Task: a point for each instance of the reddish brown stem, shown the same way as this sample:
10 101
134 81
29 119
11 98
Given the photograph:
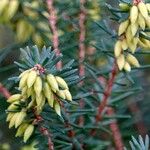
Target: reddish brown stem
71 133
106 96
82 19
4 91
110 111
115 130
46 133
52 22
43 130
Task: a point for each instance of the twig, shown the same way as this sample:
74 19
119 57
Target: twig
4 91
82 19
52 22
115 130
71 133
106 96
43 130
103 106
46 133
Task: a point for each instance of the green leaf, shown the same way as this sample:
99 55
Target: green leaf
120 97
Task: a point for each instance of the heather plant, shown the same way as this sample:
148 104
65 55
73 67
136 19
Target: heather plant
73 74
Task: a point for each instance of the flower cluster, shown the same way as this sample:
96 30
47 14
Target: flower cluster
37 88
10 8
132 34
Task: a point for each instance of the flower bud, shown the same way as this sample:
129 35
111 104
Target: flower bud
24 91
141 21
142 44
134 28
133 44
118 48
122 27
124 6
3 5
148 6
68 95
143 9
28 132
148 22
14 98
21 27
52 82
132 60
57 108
23 80
147 42
13 106
39 99
12 9
51 100
21 129
129 36
38 86
39 108
24 73
29 91
133 14
12 120
61 82
9 116
121 62
61 94
31 78
20 117
47 90
124 44
127 67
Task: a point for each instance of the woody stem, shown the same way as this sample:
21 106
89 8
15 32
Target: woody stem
4 91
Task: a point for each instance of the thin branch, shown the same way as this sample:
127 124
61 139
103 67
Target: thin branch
43 130
71 133
46 133
53 22
115 130
103 106
82 19
106 95
4 91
